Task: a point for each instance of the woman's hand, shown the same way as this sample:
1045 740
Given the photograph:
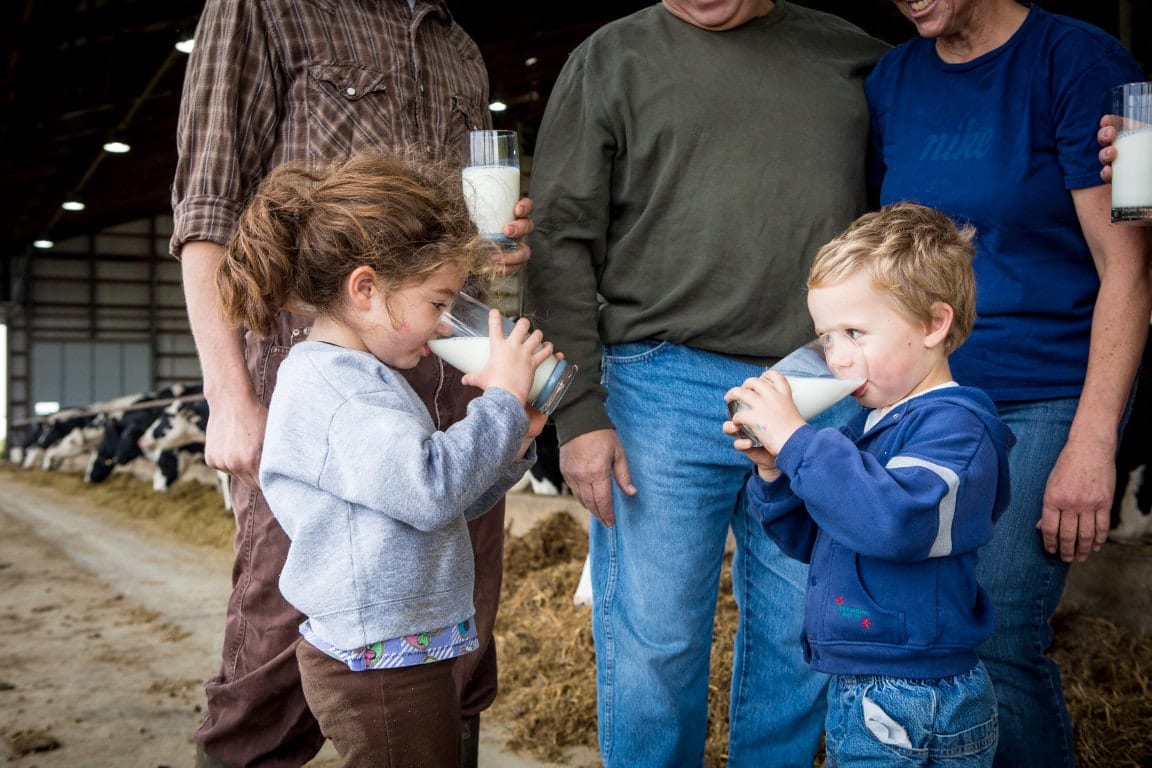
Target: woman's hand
1106 136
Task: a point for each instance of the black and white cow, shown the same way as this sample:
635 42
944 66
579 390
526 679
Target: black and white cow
185 462
51 431
181 423
70 453
175 441
119 445
122 428
544 478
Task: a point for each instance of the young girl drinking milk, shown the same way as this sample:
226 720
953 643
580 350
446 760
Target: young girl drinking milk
374 499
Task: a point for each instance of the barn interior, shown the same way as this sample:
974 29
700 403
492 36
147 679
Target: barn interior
91 303
84 271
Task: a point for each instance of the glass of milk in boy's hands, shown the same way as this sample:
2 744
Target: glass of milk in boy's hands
816 387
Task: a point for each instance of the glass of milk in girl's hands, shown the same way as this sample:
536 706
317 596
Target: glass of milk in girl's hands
491 182
464 345
816 385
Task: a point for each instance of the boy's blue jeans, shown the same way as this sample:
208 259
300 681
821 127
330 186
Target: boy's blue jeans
883 721
656 573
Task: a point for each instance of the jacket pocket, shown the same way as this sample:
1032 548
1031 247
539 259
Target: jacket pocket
849 613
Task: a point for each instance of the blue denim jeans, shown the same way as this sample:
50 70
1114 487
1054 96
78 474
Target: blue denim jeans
885 721
1026 584
656 573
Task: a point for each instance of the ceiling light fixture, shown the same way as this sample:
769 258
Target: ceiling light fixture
497 106
173 58
531 61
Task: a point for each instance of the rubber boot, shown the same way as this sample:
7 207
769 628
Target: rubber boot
470 742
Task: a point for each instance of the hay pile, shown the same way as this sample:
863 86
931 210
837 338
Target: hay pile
548 687
547 674
547 681
1107 675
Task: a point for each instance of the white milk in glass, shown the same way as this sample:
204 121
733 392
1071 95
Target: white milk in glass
814 395
491 192
470 353
1132 171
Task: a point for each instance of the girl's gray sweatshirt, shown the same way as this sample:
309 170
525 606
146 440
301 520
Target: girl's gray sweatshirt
374 499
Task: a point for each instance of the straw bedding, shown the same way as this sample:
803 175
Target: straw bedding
547 694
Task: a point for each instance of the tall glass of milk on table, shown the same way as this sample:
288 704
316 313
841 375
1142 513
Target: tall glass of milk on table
816 386
1132 169
464 345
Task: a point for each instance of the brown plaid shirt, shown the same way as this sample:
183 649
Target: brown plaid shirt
276 80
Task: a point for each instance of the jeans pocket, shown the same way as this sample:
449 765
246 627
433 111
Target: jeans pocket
633 351
877 720
883 726
969 743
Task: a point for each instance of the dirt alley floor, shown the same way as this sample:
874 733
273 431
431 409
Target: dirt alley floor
109 627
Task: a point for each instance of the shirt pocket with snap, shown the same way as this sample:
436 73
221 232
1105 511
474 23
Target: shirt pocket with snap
350 110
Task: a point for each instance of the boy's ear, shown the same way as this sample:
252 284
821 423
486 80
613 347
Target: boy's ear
937 328
361 286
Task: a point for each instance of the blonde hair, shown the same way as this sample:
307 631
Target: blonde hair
306 229
916 254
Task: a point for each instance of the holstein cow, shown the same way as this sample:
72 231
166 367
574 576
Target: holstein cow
186 462
175 441
16 454
181 423
544 478
50 431
70 453
119 446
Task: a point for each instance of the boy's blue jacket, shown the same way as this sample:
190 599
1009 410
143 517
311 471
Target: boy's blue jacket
891 522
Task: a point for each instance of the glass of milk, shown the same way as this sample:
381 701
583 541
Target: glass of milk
1132 168
816 386
464 345
492 182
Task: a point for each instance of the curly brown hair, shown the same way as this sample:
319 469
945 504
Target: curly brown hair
306 229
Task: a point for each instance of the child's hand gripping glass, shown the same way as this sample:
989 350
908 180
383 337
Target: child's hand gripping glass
472 332
802 385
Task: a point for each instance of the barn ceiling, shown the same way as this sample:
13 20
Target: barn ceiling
75 74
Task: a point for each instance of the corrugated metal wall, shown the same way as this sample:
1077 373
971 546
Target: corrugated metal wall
98 317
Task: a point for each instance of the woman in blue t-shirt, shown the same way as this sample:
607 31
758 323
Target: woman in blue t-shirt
990 115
